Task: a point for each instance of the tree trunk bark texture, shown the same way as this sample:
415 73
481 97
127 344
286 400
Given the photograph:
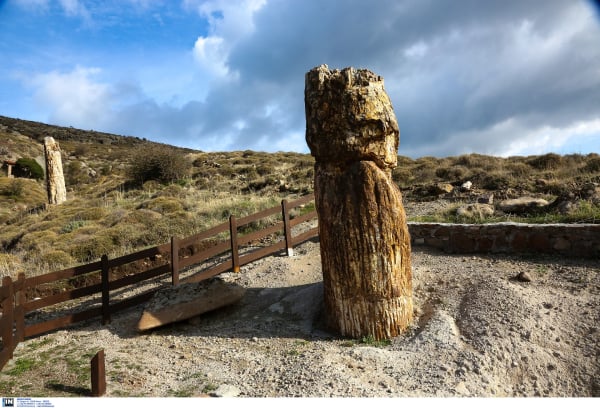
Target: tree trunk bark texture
55 180
365 245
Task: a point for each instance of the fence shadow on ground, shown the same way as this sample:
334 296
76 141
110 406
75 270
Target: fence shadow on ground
32 306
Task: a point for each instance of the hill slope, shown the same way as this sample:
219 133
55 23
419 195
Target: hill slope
112 210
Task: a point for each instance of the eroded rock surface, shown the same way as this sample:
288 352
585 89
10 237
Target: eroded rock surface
55 179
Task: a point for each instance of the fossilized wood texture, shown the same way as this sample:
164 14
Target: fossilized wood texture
349 117
365 251
177 303
365 244
55 180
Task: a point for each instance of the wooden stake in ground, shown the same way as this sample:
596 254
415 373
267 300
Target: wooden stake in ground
352 132
55 180
98 374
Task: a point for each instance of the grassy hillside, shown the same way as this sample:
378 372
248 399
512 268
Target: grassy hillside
118 202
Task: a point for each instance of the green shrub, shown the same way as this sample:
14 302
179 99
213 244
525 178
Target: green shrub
248 171
159 163
57 259
92 213
106 169
37 240
403 161
75 173
592 165
141 216
15 188
151 186
88 249
265 169
172 190
163 205
518 169
550 161
471 160
401 176
29 168
556 188
495 181
114 217
72 226
452 173
123 236
80 150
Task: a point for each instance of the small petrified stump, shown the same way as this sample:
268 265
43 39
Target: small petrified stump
352 132
181 302
55 180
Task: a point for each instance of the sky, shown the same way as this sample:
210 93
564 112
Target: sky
502 78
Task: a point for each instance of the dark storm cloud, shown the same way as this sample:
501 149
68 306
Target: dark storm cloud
451 68
463 76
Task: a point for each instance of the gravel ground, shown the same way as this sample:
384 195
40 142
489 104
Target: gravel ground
477 332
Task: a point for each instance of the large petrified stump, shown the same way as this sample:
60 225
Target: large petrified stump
55 180
352 132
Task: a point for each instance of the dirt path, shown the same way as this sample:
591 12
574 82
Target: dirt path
478 332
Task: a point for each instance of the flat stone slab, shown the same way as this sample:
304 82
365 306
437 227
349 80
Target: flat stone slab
184 301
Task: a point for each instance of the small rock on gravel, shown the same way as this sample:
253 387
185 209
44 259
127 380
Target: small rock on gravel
225 391
523 277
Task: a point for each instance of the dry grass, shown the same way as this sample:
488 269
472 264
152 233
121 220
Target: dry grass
107 212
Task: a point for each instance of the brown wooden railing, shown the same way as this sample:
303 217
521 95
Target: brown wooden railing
40 304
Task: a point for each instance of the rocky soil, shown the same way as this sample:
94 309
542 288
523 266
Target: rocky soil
478 332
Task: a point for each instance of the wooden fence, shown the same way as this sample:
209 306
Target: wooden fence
102 288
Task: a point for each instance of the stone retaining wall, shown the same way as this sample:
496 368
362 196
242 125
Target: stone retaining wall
577 240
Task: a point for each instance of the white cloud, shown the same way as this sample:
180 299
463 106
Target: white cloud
552 139
145 4
211 53
72 7
416 50
74 97
229 21
515 137
504 78
32 3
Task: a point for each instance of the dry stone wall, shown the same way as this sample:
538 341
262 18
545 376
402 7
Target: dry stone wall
576 240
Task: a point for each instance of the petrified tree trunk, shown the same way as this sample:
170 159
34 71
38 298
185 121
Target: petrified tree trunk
55 180
352 132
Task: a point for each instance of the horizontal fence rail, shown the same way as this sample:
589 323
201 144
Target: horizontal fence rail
40 304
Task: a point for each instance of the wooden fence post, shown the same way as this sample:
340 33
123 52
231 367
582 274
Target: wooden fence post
235 256
287 229
8 316
105 291
175 261
19 308
98 374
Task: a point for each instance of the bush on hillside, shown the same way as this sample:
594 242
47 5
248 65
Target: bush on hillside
15 188
28 168
75 173
452 173
159 163
549 161
592 165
